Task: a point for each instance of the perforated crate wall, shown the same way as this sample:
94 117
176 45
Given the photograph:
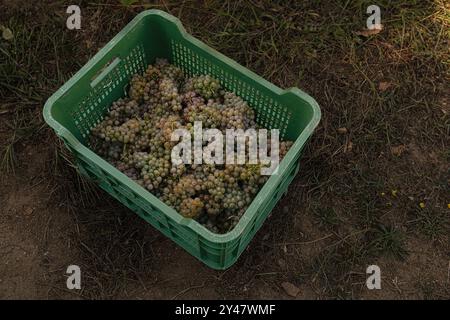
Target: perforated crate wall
91 110
269 112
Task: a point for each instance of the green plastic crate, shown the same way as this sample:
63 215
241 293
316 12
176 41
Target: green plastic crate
82 102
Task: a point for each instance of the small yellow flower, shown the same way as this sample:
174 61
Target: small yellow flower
422 205
394 193
448 205
383 194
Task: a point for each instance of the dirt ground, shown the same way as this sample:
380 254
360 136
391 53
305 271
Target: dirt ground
374 182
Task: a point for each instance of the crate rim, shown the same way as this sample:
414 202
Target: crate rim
195 226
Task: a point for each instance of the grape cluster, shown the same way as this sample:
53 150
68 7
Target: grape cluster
205 86
191 208
236 113
170 98
210 115
152 169
169 70
135 136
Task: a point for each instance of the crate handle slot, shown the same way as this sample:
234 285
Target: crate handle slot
107 68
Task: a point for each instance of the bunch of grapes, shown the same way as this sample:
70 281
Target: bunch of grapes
169 70
205 86
108 150
135 136
137 88
152 169
209 115
235 199
170 99
165 128
125 133
191 208
236 113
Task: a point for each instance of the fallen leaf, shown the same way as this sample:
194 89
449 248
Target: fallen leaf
384 85
348 147
28 211
342 130
387 45
88 44
445 106
282 263
6 33
370 32
398 150
290 289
